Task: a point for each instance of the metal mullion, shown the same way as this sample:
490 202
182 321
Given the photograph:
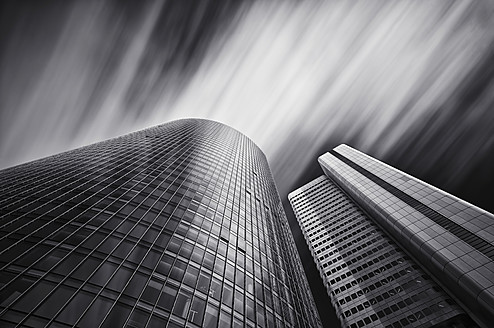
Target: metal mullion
38 191
67 191
137 222
55 246
61 260
68 223
195 243
140 295
51 170
29 222
12 176
24 192
62 164
101 164
48 162
51 201
43 166
152 244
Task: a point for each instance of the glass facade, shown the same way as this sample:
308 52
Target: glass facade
445 238
177 225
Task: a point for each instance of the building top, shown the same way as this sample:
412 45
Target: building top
471 217
450 238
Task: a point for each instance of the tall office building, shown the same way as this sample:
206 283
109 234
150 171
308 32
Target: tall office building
394 251
177 225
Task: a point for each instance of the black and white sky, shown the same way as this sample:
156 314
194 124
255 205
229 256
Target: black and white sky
408 82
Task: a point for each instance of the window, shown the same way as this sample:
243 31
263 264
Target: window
239 302
191 275
215 289
76 306
103 273
182 304
239 278
136 285
152 291
178 270
96 312
55 302
211 317
167 298
227 295
34 296
203 282
225 320
196 311
249 308
138 318
69 264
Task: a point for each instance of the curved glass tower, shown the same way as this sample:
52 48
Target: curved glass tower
177 225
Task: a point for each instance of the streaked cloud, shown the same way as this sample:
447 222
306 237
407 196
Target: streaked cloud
296 77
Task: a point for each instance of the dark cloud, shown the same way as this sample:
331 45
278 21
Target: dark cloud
453 148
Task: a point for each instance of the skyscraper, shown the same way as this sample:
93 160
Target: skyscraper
179 224
393 250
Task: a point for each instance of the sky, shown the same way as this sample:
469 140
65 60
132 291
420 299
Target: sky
408 82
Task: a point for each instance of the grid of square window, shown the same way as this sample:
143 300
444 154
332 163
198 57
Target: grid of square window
467 215
458 255
177 225
370 281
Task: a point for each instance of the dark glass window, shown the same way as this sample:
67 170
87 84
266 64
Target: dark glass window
96 312
227 295
197 255
182 304
35 254
138 318
135 285
151 259
196 312
239 302
191 275
33 296
225 320
117 316
120 278
55 302
167 297
178 270
152 291
50 260
211 317
103 273
203 282
70 314
165 265
249 308
215 289
137 254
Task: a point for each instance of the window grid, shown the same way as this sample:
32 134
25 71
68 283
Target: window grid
366 274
